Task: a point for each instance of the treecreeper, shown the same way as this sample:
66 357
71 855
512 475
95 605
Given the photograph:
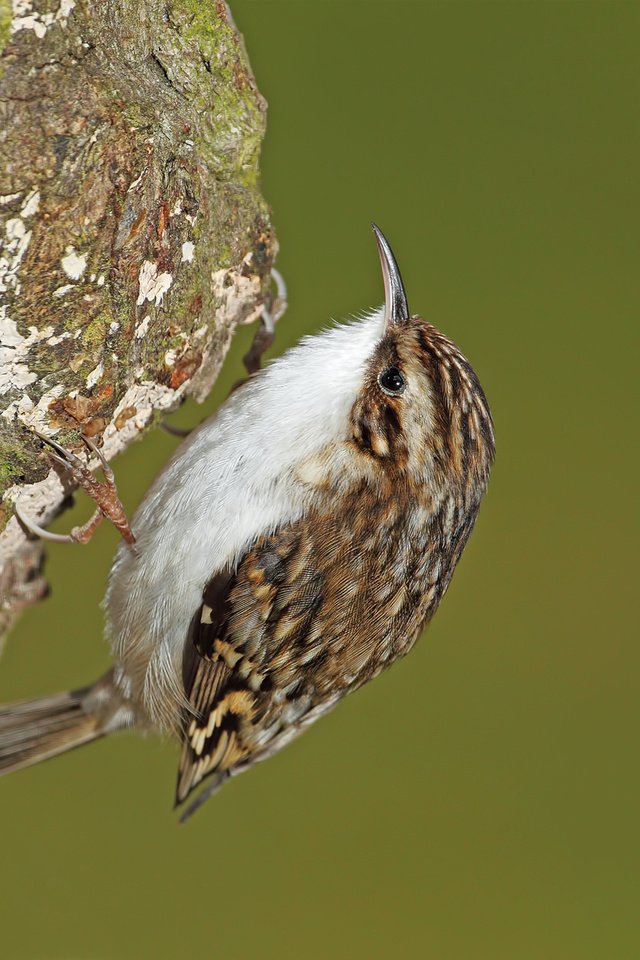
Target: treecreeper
293 547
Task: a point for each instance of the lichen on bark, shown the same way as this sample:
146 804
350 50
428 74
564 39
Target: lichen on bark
132 230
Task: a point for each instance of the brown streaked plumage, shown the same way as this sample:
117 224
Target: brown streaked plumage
294 547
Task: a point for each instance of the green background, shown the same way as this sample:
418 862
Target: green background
480 800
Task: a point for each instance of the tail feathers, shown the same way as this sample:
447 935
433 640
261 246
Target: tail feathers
35 730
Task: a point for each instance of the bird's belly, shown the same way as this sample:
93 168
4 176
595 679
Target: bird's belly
149 604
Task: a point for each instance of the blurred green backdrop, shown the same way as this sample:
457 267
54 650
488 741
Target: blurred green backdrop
480 800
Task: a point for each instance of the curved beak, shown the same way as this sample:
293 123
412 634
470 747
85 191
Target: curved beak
396 309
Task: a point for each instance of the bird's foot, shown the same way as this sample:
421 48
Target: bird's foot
104 495
265 334
263 339
174 431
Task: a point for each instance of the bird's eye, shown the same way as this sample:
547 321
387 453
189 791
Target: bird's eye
392 381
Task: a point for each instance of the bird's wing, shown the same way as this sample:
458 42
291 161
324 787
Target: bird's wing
248 644
313 610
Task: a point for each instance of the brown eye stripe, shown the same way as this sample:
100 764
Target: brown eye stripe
365 436
392 422
379 438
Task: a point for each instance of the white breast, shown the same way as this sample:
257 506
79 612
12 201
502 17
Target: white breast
232 480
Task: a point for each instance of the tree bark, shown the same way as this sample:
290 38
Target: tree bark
133 234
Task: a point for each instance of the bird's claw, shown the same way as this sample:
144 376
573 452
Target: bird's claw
104 495
263 339
265 334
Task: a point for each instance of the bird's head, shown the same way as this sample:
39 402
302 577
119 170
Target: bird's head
384 398
420 411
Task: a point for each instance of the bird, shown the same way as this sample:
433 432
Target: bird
294 547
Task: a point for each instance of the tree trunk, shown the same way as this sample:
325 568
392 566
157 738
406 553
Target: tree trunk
133 237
